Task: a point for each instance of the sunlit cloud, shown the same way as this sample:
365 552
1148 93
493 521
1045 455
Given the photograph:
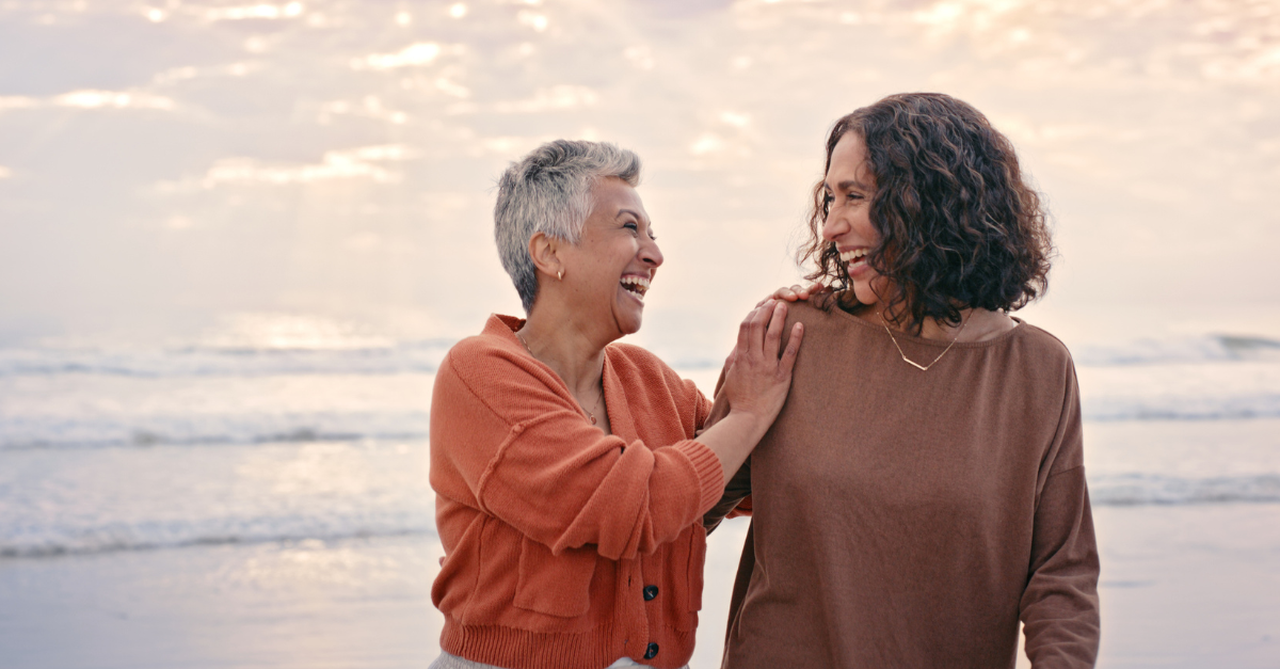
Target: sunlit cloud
640 56
735 119
176 74
1025 132
359 163
538 22
178 222
92 99
508 145
707 143
414 55
5 172
370 107
457 10
259 11
17 102
452 88
95 99
554 98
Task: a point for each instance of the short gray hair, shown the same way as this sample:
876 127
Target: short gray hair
549 191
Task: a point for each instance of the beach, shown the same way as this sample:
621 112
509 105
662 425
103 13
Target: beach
1182 586
273 510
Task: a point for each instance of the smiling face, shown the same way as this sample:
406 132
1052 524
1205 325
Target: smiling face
608 271
849 186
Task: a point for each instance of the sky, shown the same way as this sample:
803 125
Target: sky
166 166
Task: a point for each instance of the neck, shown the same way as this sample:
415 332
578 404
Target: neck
979 325
567 348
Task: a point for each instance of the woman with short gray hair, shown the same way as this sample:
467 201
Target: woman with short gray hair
572 472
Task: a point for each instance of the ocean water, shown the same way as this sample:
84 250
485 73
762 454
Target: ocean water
123 449
118 451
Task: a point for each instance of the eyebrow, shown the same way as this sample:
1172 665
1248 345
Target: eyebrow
852 183
629 211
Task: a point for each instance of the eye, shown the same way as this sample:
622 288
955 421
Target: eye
631 225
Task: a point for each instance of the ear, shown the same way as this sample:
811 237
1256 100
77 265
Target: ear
545 252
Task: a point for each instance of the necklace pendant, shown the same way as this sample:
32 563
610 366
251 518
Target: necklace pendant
593 418
917 365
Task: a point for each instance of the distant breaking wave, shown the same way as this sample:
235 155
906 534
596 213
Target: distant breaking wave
408 357
54 541
1182 407
105 431
70 431
36 541
1143 489
1204 348
424 356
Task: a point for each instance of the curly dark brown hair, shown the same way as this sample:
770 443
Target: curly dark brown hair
959 228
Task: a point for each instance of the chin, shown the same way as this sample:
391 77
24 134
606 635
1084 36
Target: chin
864 295
629 324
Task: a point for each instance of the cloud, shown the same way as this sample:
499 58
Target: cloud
176 74
370 107
359 163
95 99
554 98
92 99
414 55
538 22
259 11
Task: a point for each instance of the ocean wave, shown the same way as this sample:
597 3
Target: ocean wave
1203 407
57 541
424 356
1201 348
19 433
1146 489
407 357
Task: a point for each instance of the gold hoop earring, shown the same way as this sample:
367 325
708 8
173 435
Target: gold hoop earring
560 275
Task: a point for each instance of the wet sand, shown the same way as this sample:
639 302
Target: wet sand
1182 586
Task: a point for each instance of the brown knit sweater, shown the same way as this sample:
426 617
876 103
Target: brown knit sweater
566 548
910 519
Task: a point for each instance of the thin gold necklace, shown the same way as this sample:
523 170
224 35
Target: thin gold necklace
590 414
909 361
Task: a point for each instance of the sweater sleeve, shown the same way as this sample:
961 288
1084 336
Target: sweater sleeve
735 499
507 438
1059 607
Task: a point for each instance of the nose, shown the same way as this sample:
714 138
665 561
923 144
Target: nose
650 254
834 226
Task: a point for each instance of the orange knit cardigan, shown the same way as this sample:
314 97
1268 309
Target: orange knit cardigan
566 547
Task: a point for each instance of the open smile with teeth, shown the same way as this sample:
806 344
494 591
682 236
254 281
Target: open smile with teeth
854 257
636 285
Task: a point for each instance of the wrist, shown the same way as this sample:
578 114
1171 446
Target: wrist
748 419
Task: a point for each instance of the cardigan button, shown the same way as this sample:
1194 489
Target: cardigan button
651 652
650 592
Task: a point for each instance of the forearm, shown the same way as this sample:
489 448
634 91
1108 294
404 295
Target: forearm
737 489
733 438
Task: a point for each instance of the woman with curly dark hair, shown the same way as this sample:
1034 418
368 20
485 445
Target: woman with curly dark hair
922 490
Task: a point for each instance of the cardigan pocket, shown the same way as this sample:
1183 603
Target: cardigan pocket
557 585
697 562
687 558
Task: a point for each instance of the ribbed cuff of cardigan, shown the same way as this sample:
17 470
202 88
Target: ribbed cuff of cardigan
710 472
